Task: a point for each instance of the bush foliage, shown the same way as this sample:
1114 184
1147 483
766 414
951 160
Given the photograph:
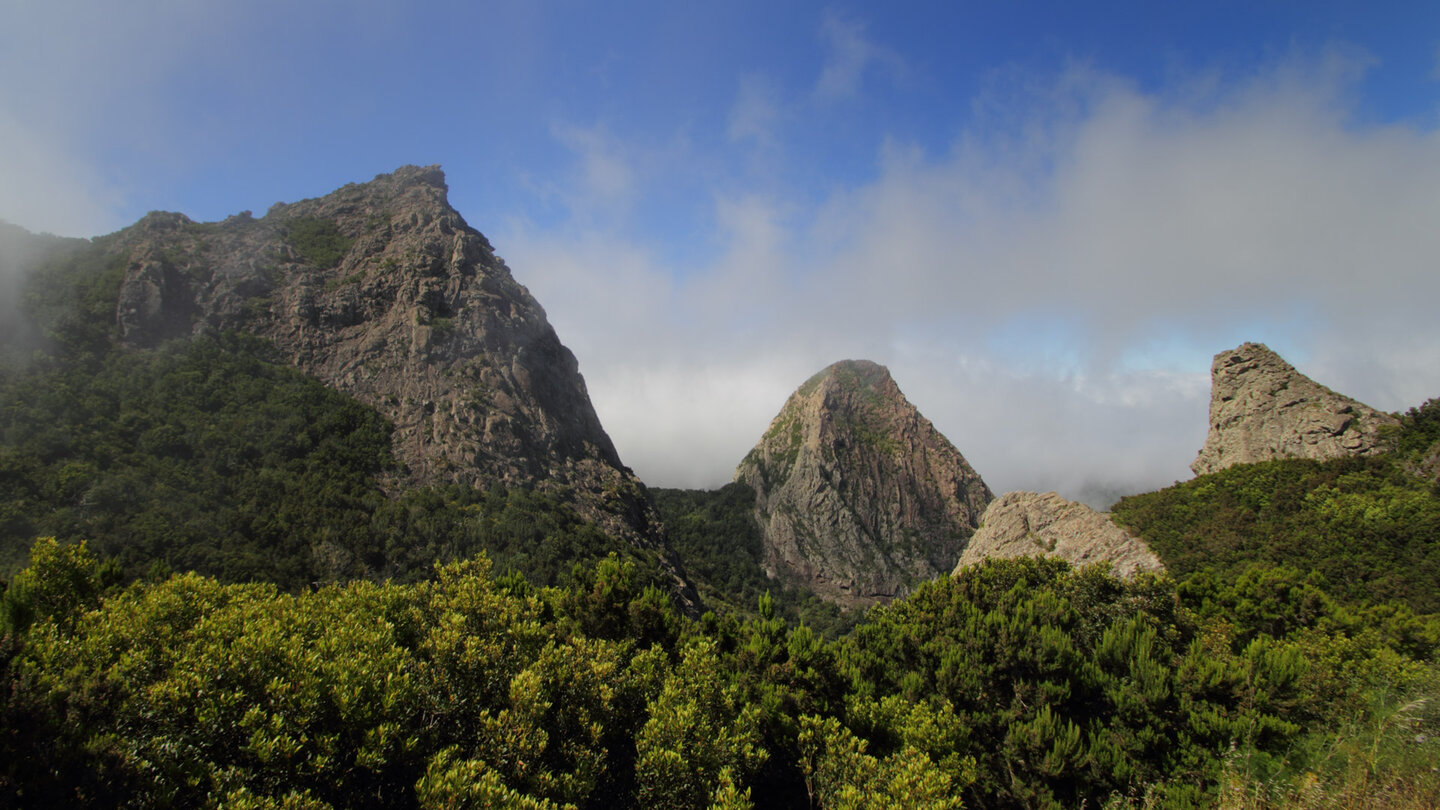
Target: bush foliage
1017 684
1369 528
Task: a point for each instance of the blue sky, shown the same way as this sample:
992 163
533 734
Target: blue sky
1044 217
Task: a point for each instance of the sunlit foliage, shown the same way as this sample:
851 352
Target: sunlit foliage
1018 684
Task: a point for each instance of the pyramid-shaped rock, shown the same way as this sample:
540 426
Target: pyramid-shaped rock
858 495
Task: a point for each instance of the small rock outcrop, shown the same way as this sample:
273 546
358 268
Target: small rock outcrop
1028 524
382 290
1261 408
859 497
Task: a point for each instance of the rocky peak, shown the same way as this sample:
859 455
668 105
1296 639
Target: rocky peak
1028 524
857 494
1261 408
383 291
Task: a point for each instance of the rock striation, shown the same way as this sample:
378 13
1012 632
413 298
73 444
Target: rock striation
1261 408
382 290
1028 524
858 496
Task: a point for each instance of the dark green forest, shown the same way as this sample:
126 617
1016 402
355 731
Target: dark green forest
715 533
217 593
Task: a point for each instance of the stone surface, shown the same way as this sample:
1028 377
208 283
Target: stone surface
1261 408
383 291
1028 524
858 496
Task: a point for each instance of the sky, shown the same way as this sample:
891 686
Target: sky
1044 218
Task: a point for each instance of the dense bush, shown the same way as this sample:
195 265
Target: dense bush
200 456
1367 526
1018 684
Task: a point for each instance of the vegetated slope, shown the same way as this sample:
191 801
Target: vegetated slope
1370 526
201 455
197 457
858 496
715 533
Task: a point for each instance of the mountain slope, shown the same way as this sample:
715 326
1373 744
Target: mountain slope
858 496
1370 526
381 291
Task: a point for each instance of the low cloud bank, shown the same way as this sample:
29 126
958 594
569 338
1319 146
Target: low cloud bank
1049 291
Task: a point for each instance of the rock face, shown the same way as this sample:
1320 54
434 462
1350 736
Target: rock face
382 291
1027 524
858 496
1261 408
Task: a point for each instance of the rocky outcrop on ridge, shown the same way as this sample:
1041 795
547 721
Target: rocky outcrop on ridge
858 496
383 291
1028 524
1261 408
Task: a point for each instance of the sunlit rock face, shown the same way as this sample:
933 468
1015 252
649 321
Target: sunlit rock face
1261 408
1029 524
858 495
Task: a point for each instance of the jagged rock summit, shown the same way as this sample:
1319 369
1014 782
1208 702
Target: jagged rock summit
859 497
1261 408
1028 524
382 290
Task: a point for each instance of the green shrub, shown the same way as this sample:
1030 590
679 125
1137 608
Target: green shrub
319 242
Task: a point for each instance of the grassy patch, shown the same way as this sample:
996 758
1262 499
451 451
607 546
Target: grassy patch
318 241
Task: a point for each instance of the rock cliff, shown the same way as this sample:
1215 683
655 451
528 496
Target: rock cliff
1025 524
1261 408
382 291
857 494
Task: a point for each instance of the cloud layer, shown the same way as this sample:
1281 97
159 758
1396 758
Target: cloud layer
1048 290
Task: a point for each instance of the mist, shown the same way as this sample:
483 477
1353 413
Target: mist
21 252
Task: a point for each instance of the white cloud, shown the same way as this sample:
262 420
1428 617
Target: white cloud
605 178
1050 290
850 55
755 113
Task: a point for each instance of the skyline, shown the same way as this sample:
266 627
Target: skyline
1043 219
